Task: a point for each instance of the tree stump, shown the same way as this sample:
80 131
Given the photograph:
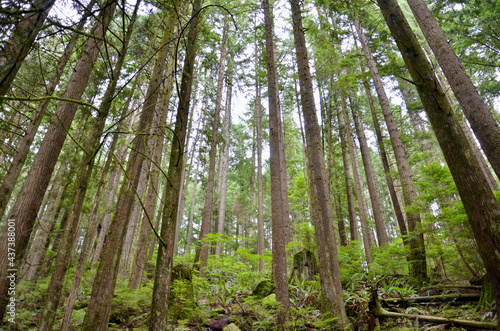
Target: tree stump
181 301
487 298
305 266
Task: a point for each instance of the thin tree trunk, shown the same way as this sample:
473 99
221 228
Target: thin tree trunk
483 124
353 228
280 215
482 209
163 273
134 222
333 179
260 189
320 196
418 264
193 202
206 222
380 141
357 183
378 216
416 121
224 167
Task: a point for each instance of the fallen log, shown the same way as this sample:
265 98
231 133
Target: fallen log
376 310
446 286
435 298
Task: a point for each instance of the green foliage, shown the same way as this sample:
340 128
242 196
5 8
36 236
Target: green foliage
351 260
390 260
304 233
127 304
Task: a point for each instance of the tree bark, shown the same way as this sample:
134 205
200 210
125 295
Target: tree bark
321 205
163 273
482 209
193 202
47 222
89 238
357 181
224 164
260 193
483 124
398 212
152 194
378 216
280 215
206 222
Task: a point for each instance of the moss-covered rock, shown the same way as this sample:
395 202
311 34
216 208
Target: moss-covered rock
270 301
231 327
264 288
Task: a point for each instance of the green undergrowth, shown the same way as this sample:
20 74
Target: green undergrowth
233 292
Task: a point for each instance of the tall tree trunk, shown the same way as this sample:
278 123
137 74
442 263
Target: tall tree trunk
206 222
193 202
184 176
418 264
152 194
31 195
47 222
483 124
333 178
97 315
380 140
224 167
163 273
23 148
320 196
134 222
482 209
280 215
260 189
378 216
17 47
109 196
357 182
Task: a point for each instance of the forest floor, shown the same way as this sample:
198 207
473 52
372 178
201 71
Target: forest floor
239 299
